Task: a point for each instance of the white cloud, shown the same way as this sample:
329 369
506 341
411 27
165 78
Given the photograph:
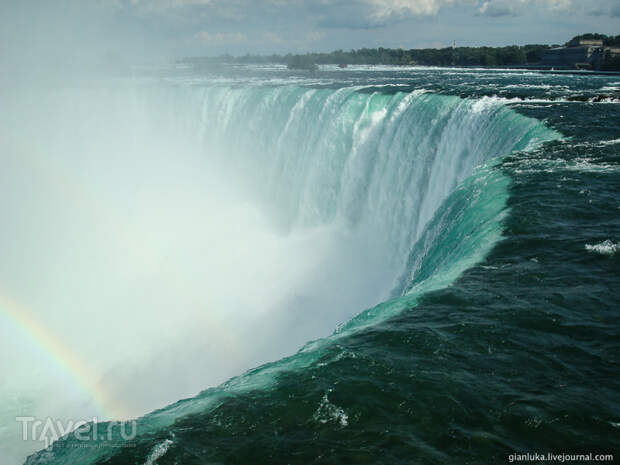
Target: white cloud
278 24
314 36
496 8
271 37
499 8
221 37
557 5
387 8
362 13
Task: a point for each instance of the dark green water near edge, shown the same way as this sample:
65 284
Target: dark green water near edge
520 354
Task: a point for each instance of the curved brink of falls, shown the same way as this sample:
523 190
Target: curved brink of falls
415 171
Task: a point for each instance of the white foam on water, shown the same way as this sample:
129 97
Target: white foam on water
609 142
158 452
330 413
606 247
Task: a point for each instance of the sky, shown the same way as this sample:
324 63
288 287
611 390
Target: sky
178 28
265 26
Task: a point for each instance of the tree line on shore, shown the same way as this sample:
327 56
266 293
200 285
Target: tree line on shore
513 55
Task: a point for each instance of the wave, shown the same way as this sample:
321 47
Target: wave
606 247
418 173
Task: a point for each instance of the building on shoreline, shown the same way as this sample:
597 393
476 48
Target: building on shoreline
580 54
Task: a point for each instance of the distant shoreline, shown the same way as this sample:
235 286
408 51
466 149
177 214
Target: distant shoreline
545 70
594 52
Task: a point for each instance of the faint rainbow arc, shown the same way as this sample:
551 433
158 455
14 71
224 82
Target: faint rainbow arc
62 356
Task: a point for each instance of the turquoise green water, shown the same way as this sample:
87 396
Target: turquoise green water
496 209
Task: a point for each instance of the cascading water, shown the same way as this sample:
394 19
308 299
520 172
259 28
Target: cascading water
369 159
401 186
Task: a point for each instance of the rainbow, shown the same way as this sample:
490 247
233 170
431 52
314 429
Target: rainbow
62 356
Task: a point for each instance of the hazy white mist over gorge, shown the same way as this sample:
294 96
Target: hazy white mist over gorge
141 253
